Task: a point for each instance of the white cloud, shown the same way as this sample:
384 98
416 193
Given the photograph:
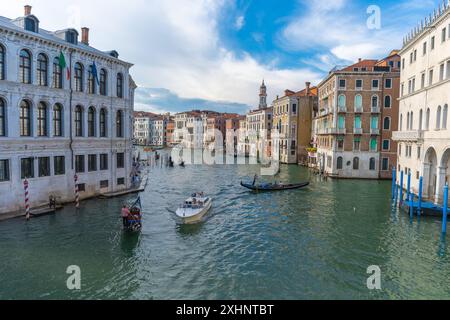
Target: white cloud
240 22
174 44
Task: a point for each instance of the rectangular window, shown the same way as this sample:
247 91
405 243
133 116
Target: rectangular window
79 164
373 145
418 152
403 64
342 84
27 168
375 84
60 165
340 144
388 83
424 51
386 145
432 43
430 77
444 34
341 122
415 55
104 184
4 170
44 167
359 84
92 162
120 160
441 72
104 162
385 164
294 108
356 144
447 76
121 181
81 187
422 81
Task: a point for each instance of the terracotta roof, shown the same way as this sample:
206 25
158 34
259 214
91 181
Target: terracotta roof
369 64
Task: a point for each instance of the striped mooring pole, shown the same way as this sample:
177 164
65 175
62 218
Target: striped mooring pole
77 193
27 199
444 210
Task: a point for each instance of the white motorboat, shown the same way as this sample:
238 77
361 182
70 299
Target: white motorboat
194 208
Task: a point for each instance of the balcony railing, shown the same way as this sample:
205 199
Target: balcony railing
375 110
375 132
357 130
408 136
326 131
358 110
342 109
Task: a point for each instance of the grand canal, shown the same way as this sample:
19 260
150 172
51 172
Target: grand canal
315 243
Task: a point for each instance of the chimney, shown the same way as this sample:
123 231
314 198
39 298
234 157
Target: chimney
85 35
27 10
359 60
308 88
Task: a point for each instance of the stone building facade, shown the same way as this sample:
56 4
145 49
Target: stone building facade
56 119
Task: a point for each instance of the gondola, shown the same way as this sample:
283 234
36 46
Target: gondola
274 186
135 218
182 164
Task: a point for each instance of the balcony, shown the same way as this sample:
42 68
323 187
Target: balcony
358 110
375 110
324 112
358 131
408 136
375 132
331 131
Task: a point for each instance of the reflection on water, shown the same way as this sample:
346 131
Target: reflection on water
315 243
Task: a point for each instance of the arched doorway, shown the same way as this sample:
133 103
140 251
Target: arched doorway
443 175
430 174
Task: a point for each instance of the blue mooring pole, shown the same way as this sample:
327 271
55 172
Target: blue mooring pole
408 191
444 210
419 207
394 178
401 188
411 205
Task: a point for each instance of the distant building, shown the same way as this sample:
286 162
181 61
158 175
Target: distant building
54 126
423 134
358 110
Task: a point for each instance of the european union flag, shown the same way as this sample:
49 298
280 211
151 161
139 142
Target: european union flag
95 73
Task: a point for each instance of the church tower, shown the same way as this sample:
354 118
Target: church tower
263 96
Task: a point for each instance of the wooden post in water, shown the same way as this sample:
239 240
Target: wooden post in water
394 178
411 205
401 188
408 191
419 207
444 210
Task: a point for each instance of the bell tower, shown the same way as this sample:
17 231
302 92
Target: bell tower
263 96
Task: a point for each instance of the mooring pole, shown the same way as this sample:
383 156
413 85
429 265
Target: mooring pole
411 205
408 192
401 188
419 207
444 210
394 178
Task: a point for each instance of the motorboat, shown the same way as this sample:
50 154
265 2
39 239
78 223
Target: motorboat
194 208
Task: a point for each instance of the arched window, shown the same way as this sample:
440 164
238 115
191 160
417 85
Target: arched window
42 70
387 102
356 163
91 81
358 101
2 118
2 63
91 122
58 120
42 120
420 120
342 101
103 82
78 77
102 121
79 121
438 118
407 121
372 164
411 121
375 102
57 74
387 123
340 163
445 117
25 66
427 119
119 85
119 124
25 119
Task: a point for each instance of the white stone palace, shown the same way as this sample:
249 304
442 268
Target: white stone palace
424 136
65 109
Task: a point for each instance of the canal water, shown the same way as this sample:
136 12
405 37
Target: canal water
315 243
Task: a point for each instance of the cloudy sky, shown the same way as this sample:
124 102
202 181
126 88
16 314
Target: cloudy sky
213 54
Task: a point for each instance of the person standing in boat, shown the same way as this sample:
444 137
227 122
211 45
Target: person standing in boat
254 179
125 214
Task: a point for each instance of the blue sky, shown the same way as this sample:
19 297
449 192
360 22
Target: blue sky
213 54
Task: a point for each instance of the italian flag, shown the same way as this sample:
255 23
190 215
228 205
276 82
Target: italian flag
63 64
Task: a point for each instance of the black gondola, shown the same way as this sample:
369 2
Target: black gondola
182 164
274 186
134 223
